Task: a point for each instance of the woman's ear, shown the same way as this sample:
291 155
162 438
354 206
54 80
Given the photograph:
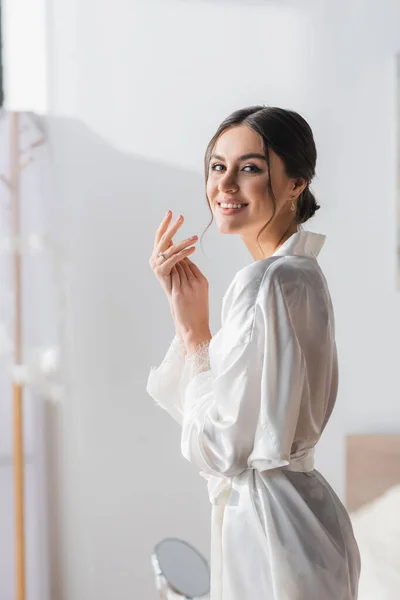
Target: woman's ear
299 185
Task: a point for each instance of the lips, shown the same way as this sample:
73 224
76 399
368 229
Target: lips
231 211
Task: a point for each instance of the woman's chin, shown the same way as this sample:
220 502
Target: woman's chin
224 226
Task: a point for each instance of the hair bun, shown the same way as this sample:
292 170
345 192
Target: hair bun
307 206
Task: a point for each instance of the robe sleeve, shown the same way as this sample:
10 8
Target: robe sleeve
163 383
252 404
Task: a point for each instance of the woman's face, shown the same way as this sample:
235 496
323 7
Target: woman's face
238 175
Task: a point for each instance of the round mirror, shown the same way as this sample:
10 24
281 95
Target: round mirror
183 569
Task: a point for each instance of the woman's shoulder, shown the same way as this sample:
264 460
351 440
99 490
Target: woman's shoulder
261 274
288 274
247 284
254 286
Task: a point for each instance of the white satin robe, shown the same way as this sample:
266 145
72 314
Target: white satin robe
250 424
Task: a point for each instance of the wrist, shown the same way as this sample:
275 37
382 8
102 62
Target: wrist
194 339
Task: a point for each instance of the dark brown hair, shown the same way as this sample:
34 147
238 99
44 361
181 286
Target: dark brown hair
289 135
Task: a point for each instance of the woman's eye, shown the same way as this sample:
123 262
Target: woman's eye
251 169
246 168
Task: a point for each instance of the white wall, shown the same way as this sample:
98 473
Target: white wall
135 91
358 180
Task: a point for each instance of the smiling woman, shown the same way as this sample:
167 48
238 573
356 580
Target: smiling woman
254 399
268 155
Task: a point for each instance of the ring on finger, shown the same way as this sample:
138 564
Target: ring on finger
162 255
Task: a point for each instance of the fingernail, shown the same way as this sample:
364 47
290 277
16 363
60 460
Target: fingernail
167 213
180 218
194 237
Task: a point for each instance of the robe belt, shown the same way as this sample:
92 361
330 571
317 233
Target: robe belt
220 488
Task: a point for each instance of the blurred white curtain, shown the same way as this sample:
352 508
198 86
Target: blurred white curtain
42 324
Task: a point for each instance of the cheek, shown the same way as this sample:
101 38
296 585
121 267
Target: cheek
211 189
257 190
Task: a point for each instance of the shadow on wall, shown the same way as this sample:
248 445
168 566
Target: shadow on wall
117 481
110 205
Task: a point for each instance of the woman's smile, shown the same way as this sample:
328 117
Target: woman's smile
231 208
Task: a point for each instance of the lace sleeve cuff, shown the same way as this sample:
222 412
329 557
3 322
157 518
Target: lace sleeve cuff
199 360
179 346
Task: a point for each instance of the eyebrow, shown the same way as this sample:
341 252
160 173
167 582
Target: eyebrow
243 157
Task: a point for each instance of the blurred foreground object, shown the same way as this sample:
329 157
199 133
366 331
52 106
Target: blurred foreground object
181 571
30 306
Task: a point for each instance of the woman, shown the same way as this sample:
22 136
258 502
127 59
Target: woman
254 399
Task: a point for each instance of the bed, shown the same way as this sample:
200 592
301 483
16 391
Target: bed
373 500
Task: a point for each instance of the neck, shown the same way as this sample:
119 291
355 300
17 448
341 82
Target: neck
268 242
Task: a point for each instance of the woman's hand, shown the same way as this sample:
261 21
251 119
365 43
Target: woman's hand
190 304
174 253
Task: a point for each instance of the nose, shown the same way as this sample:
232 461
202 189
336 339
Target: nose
227 184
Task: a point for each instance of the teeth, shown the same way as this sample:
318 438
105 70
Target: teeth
223 205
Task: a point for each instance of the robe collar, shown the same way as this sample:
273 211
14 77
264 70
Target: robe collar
302 243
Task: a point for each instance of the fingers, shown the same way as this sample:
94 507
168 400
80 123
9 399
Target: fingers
177 257
189 264
162 228
175 278
155 260
186 269
182 273
194 269
166 232
175 248
188 242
